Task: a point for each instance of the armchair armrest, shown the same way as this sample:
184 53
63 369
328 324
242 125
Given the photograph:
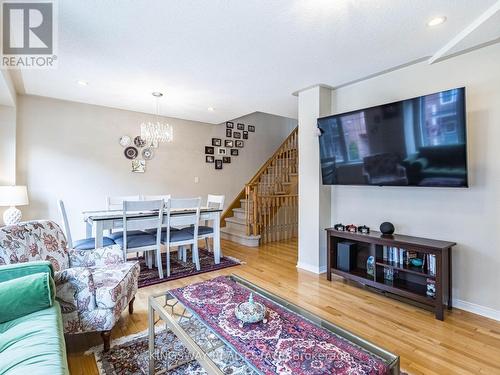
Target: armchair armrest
24 289
100 257
75 289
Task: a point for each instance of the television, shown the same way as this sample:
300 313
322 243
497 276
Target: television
413 142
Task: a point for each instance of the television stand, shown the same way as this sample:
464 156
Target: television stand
409 282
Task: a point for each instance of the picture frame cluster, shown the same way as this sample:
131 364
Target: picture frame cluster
221 150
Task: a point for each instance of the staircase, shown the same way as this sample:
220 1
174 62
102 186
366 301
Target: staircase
266 210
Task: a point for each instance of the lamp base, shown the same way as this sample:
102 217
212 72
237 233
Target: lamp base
12 216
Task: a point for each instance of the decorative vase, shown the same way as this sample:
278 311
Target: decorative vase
250 312
387 228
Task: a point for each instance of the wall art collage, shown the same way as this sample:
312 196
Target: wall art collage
222 150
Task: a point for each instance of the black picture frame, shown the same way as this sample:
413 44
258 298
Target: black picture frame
226 159
209 150
251 128
209 159
218 163
216 142
239 144
229 143
235 152
245 135
237 135
229 125
229 133
240 126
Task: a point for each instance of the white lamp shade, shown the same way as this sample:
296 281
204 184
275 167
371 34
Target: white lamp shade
13 196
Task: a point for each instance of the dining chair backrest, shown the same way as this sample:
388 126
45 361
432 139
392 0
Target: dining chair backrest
65 223
193 204
136 223
215 201
116 203
165 197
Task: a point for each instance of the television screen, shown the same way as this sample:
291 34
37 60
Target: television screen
414 142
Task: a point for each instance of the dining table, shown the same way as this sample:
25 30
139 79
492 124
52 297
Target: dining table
98 222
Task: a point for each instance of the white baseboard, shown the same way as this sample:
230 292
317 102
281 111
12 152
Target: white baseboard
311 268
487 312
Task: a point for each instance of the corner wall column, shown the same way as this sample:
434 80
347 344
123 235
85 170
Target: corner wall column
314 198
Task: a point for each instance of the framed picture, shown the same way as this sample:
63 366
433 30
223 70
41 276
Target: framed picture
221 151
251 128
209 159
226 159
236 135
240 126
138 166
245 135
218 164
229 143
240 144
229 133
229 124
234 152
209 150
216 142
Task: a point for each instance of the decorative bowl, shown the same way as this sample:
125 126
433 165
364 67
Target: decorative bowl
417 262
250 312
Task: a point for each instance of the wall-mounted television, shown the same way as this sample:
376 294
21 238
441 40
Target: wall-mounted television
414 142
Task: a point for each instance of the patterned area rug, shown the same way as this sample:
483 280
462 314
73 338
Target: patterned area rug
129 355
179 269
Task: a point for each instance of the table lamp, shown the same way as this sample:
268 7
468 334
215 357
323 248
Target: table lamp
12 196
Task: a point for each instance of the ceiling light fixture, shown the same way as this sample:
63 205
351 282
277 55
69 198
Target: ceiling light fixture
82 82
210 109
154 132
436 21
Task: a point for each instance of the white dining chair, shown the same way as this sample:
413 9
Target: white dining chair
133 239
116 203
83 244
165 197
182 237
205 232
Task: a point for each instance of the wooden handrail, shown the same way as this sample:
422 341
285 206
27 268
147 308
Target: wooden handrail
236 202
271 202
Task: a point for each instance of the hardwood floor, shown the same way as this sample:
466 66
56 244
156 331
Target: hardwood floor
463 344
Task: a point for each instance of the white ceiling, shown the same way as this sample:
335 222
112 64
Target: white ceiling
238 56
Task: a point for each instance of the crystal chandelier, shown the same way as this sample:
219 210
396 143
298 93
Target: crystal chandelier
156 132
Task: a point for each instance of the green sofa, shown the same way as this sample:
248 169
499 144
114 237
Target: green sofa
31 330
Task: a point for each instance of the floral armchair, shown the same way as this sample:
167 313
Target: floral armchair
93 286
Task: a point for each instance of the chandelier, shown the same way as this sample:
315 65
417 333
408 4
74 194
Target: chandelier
156 132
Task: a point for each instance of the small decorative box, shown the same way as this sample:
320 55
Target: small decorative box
250 312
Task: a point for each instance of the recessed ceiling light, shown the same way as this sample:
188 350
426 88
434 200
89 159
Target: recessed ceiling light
82 82
157 94
436 21
211 109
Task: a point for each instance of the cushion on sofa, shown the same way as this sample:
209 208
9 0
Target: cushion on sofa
25 295
34 344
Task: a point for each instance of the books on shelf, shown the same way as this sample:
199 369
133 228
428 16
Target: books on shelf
400 257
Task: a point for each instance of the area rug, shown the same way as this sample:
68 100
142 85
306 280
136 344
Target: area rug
179 269
286 344
130 355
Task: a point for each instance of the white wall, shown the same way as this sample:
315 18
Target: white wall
70 151
7 148
471 217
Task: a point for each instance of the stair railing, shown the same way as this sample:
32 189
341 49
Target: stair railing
270 200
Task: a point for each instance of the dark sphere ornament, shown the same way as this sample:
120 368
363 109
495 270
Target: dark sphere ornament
387 228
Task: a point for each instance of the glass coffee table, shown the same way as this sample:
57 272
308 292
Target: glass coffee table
189 343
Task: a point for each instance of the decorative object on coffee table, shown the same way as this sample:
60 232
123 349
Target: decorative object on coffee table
250 312
387 228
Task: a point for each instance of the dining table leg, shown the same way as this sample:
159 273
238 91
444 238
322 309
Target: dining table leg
217 251
99 233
